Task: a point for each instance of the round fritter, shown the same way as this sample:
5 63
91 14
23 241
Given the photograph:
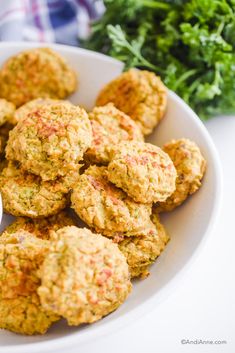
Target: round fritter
39 72
110 126
142 250
190 166
28 107
104 207
21 255
51 140
25 194
142 170
41 228
6 111
139 94
25 315
84 277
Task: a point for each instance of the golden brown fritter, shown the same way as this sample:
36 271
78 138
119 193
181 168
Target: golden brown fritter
21 255
25 194
51 140
139 94
190 166
109 127
142 170
106 208
36 73
84 277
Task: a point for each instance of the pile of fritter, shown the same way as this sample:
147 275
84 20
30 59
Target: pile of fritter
55 158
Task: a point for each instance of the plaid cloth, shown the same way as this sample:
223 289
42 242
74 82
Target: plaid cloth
61 21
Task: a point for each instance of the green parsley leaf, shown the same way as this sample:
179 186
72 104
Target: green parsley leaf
189 43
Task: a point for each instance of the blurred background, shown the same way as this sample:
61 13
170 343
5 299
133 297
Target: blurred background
61 21
190 44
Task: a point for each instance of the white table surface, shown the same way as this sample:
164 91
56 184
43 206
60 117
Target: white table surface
203 305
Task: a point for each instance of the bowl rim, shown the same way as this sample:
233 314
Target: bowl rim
59 343
82 52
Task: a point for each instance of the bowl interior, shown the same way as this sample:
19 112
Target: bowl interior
187 225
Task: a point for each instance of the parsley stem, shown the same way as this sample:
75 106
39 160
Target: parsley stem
220 28
118 36
142 60
146 63
184 77
156 5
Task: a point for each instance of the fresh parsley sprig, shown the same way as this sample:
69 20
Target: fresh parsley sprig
191 44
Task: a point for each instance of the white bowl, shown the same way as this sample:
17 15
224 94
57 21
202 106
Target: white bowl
188 226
